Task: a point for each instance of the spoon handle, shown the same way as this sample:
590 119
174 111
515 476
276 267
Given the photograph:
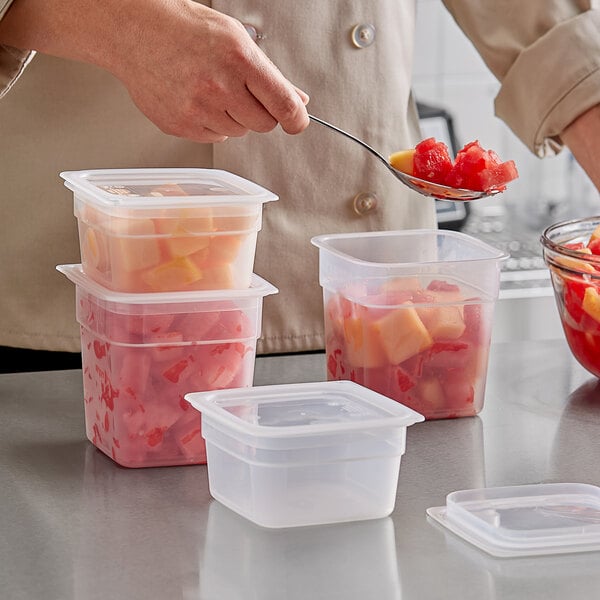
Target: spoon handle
354 139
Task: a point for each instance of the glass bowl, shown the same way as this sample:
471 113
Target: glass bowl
572 252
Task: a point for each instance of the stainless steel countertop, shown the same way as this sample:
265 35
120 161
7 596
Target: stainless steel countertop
74 525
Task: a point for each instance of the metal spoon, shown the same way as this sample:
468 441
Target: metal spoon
427 188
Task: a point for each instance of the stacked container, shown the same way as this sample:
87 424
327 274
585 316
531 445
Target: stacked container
167 303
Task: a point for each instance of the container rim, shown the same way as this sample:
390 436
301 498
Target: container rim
322 242
259 288
80 181
394 413
552 249
547 242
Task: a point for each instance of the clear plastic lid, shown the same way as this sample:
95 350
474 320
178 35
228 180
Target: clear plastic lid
172 188
301 409
550 518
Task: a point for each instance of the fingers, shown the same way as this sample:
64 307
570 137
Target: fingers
303 95
282 100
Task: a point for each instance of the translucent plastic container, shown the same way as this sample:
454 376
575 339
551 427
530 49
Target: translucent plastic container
305 453
572 253
142 353
162 230
409 314
546 518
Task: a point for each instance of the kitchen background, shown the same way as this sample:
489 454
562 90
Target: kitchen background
450 76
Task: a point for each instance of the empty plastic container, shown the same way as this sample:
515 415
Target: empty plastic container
305 453
161 230
142 353
409 314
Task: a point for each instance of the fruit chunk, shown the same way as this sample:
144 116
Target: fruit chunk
403 160
591 303
478 169
133 244
426 347
432 161
402 334
473 168
362 344
174 275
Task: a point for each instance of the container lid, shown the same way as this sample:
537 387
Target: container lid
169 188
549 518
258 288
302 409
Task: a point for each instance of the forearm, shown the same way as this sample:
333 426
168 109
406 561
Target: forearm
582 137
101 33
193 71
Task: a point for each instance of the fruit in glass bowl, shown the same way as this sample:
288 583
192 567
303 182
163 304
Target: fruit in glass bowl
572 253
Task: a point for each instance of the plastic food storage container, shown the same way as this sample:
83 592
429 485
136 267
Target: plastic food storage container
572 253
141 353
409 314
162 230
546 518
304 453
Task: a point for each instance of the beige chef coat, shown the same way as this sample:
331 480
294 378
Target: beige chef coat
62 115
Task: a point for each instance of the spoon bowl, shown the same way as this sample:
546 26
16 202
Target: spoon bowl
426 188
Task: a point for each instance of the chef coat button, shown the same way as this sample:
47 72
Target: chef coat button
363 35
253 32
364 203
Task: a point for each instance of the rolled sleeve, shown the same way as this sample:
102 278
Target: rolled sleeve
552 82
546 56
12 60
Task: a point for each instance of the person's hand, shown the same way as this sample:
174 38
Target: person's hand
198 74
193 71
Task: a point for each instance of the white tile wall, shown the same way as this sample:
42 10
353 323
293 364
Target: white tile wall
449 73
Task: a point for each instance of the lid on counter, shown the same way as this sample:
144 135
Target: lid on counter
550 518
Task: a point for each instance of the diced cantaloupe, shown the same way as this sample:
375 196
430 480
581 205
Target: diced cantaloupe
576 264
177 274
133 244
363 345
179 245
403 160
401 333
94 250
595 235
442 312
223 249
444 322
591 303
221 277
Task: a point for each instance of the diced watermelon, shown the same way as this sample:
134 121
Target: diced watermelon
478 169
133 390
432 161
473 168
